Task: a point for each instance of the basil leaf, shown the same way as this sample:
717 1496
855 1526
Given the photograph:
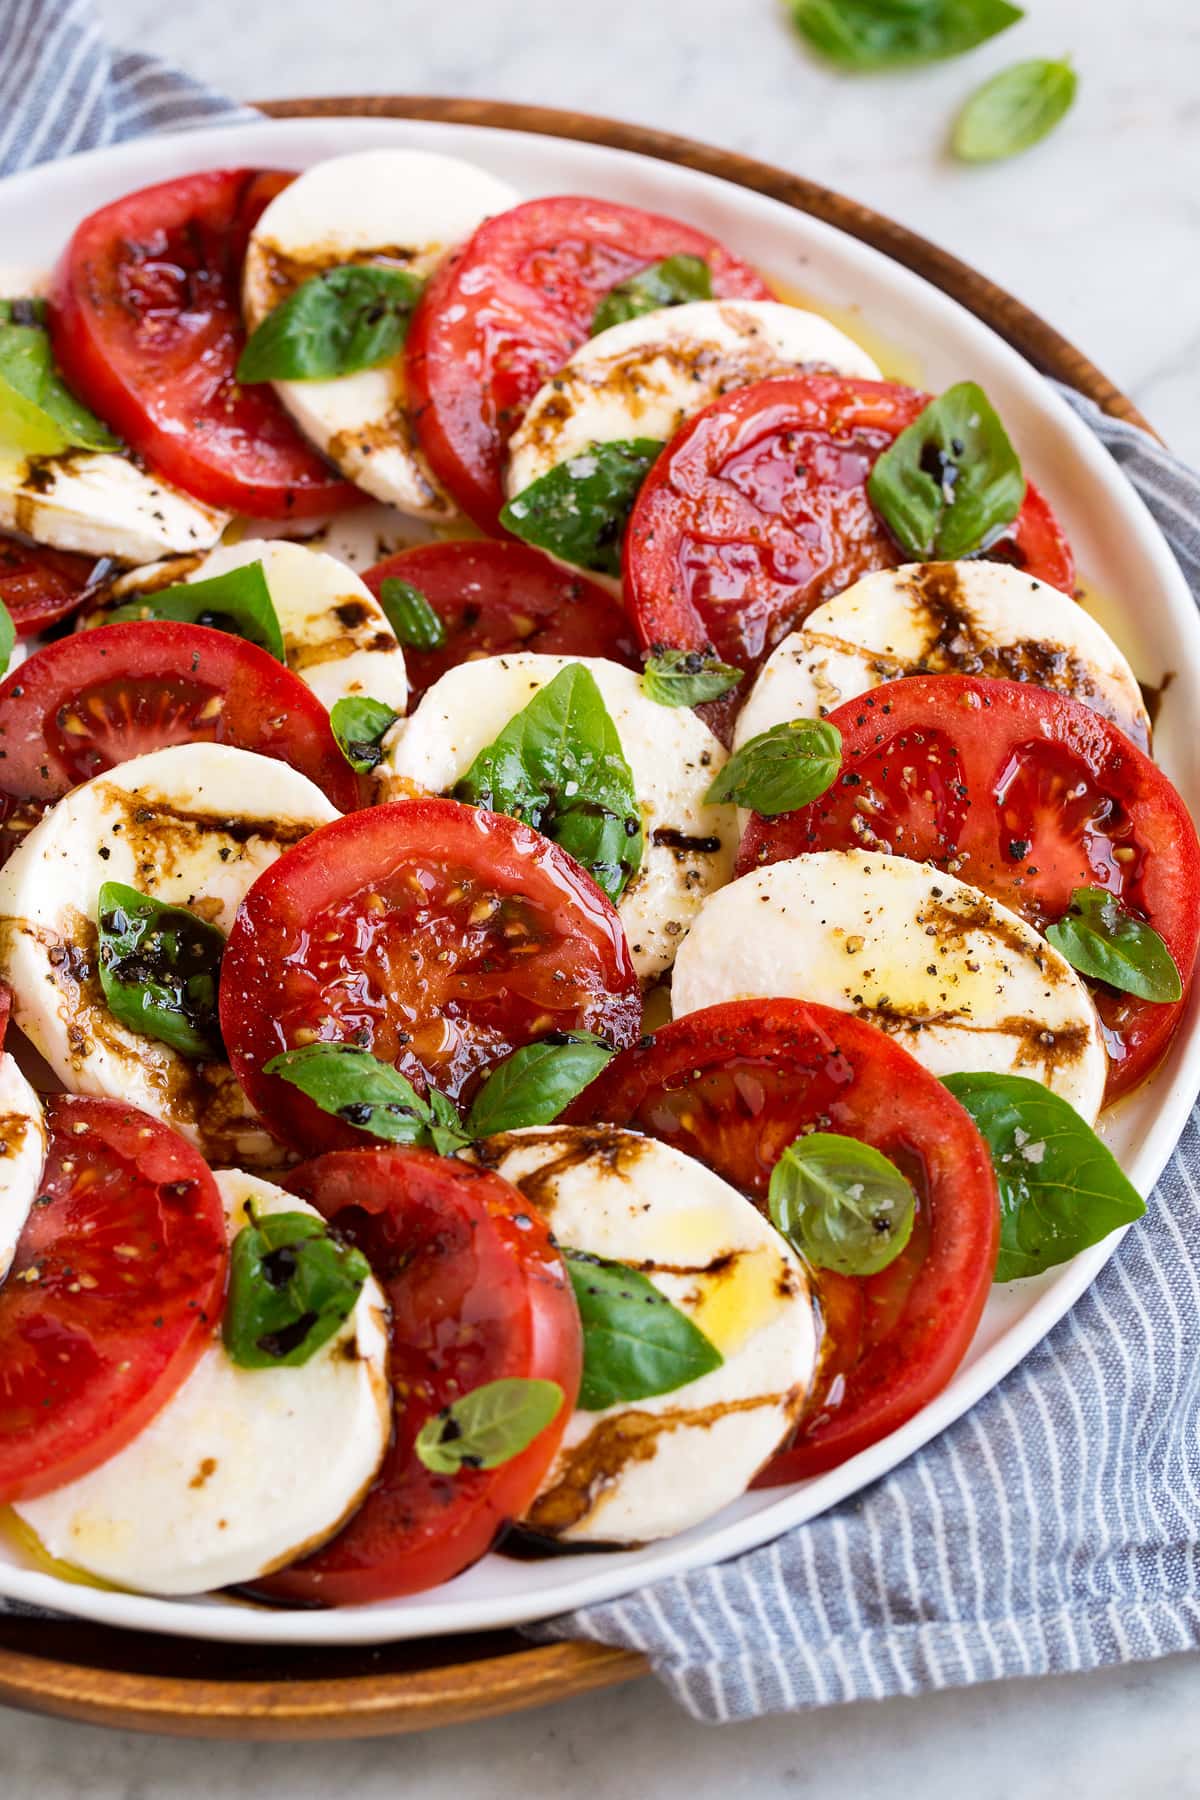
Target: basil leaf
488 1426
951 481
535 1083
410 615
239 602
687 677
636 1343
1014 110
559 766
159 968
39 416
782 768
1061 1189
888 34
360 726
8 637
670 282
359 1089
291 1285
334 324
841 1204
446 1133
1099 938
578 510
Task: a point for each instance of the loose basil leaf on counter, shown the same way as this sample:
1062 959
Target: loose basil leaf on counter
360 726
410 615
636 1343
1061 1189
238 601
8 637
687 677
841 1203
291 1285
39 416
579 509
670 282
159 968
535 1083
951 481
1099 938
1014 111
559 766
364 1092
488 1426
334 324
782 768
888 34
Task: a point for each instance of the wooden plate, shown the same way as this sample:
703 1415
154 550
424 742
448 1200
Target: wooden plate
188 1688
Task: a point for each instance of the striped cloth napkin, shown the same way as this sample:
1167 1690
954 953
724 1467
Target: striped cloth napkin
1057 1526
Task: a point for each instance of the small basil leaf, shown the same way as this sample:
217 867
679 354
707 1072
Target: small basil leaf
636 1343
1099 938
687 677
1014 110
8 637
488 1426
446 1131
578 510
334 324
559 766
238 601
782 768
291 1285
888 34
1061 1189
951 481
159 969
668 283
360 726
535 1083
362 1091
410 615
39 416
841 1204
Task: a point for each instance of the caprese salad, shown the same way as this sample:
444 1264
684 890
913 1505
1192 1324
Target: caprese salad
575 882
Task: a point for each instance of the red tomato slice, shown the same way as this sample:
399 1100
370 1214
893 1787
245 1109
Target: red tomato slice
507 311
1026 794
118 1281
733 1086
145 319
100 697
434 935
494 598
478 1293
41 586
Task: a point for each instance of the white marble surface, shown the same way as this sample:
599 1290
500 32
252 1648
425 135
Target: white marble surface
1099 230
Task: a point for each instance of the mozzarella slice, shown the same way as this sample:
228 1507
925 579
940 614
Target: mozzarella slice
672 755
22 1153
968 618
243 1470
647 1468
961 981
396 208
360 537
193 826
101 505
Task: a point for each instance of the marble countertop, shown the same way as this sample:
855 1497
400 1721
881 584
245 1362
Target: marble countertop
1098 230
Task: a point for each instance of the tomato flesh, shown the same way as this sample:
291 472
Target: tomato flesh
40 586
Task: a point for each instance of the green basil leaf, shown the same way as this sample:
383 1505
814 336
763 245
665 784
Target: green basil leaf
1061 1189
1014 110
578 510
39 416
889 34
291 1285
951 481
687 677
159 969
668 283
636 1343
360 726
841 1204
8 637
446 1131
1099 938
410 615
559 766
359 1089
334 324
488 1426
239 602
782 768
535 1083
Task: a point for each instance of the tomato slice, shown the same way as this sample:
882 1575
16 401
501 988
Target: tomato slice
40 586
733 1086
118 1281
1028 795
494 598
146 324
504 313
98 698
477 1293
437 936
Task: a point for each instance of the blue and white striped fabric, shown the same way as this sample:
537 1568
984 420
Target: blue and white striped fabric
1057 1526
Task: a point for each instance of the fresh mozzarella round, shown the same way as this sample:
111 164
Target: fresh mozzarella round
646 1468
360 537
193 825
22 1153
966 618
396 208
672 755
961 981
102 505
243 1470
